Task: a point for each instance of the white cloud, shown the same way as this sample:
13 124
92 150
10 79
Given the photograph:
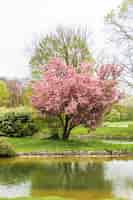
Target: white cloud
22 21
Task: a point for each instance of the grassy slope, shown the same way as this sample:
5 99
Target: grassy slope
114 129
108 128
36 145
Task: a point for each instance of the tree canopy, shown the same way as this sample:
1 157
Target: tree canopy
70 44
76 97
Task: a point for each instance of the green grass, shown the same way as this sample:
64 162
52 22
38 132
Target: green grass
124 128
34 144
108 128
40 145
79 130
118 124
44 131
115 130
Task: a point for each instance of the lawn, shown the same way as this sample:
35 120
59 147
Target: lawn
124 128
115 129
36 144
40 145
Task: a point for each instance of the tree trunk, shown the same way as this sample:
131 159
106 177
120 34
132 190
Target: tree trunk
67 127
66 131
66 135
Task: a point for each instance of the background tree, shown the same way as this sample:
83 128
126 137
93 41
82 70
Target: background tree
119 25
15 91
76 98
70 44
26 95
4 93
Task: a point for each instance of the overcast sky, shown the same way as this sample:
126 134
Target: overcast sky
22 22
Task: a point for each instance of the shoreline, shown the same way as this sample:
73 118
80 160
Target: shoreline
76 154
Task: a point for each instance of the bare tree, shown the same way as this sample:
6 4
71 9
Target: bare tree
68 43
119 26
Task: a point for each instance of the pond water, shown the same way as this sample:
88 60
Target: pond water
80 179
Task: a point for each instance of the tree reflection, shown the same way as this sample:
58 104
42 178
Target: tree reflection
56 175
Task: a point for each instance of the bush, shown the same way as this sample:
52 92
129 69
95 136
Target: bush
17 123
6 149
113 116
120 113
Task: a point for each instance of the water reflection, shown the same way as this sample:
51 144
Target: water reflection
120 174
79 179
20 190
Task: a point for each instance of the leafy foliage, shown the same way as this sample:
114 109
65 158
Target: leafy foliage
114 116
4 94
120 113
26 95
15 90
17 123
6 149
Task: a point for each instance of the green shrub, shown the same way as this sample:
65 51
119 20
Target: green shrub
17 123
113 116
120 113
6 149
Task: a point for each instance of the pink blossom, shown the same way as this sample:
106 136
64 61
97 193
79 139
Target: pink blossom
81 98
109 71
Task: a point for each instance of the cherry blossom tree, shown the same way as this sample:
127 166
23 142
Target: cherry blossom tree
76 97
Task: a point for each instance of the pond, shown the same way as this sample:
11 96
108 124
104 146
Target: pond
80 179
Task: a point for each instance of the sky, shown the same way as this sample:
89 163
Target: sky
22 23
